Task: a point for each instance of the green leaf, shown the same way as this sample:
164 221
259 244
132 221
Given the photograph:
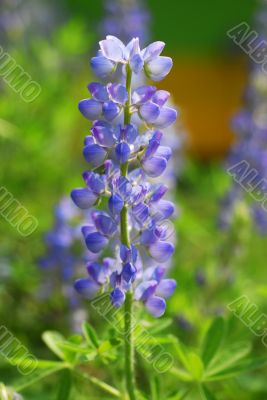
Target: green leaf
53 340
196 366
90 335
206 394
229 356
212 340
248 364
65 385
181 374
38 375
180 352
154 388
74 348
159 326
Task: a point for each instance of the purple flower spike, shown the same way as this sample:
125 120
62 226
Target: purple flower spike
126 151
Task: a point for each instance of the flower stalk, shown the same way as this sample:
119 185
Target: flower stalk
128 308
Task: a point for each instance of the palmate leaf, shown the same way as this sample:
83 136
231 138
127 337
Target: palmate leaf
53 340
245 365
206 394
229 356
90 335
181 395
65 385
196 366
213 340
159 326
43 370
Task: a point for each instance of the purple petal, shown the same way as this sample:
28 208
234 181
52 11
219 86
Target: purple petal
94 154
136 63
104 223
149 112
125 253
148 237
154 166
87 288
117 92
90 109
156 306
143 94
123 152
129 272
112 50
158 273
110 110
141 212
157 68
98 91
103 134
166 117
165 152
94 181
153 144
83 198
160 97
166 288
102 67
163 210
153 50
96 242
161 251
124 187
130 133
117 297
115 204
97 272
159 193
86 229
89 140
145 290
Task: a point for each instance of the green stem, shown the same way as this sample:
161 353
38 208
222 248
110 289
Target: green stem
125 239
100 384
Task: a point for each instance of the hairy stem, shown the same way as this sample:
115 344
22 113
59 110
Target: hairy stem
125 239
